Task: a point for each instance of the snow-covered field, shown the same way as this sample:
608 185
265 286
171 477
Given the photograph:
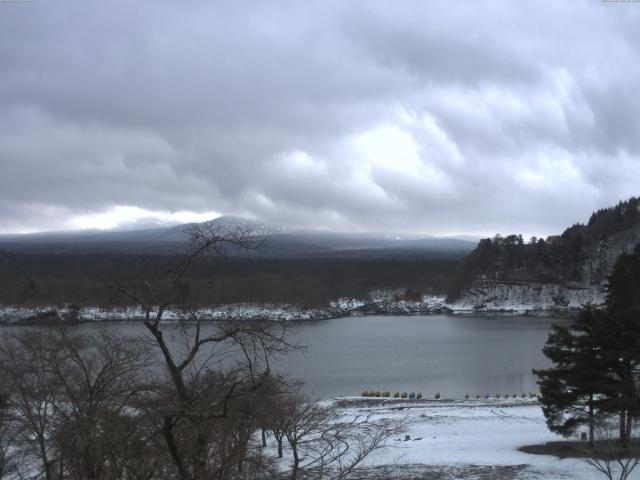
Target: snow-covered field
470 439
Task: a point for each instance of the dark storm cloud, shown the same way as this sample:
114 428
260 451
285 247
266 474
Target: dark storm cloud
407 116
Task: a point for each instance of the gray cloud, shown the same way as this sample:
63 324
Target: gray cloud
413 116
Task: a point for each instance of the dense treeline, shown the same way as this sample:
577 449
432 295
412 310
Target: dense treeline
607 221
510 258
557 259
46 279
35 279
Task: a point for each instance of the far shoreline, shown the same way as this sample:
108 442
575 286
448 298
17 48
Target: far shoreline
58 316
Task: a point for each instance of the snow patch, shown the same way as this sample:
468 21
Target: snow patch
451 436
520 297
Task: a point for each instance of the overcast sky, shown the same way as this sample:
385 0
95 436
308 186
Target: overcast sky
404 116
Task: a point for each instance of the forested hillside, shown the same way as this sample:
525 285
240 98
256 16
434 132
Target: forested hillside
579 259
84 279
582 254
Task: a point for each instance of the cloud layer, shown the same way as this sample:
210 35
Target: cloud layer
433 117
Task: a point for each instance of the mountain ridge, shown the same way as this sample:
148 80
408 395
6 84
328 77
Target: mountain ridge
281 241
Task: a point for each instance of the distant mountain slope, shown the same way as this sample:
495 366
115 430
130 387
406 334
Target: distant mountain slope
580 258
280 241
175 233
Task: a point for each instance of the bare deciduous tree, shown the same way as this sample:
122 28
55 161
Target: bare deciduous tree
202 386
608 455
325 446
98 376
69 396
305 421
5 433
31 404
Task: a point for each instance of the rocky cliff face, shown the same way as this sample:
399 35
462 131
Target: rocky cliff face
488 296
601 257
598 261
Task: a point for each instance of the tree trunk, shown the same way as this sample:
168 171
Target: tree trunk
279 439
89 465
296 462
200 454
591 421
623 424
174 372
45 460
167 432
264 437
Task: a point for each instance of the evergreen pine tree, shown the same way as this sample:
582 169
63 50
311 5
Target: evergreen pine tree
570 390
622 346
596 360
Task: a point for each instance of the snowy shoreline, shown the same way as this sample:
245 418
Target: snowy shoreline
513 298
380 302
11 315
452 439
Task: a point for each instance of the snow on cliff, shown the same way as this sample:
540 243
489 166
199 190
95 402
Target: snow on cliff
491 296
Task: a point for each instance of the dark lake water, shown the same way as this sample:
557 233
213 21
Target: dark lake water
449 354
452 355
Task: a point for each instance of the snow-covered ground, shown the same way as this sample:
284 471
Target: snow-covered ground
474 439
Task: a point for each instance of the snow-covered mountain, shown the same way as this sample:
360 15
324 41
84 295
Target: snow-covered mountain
282 242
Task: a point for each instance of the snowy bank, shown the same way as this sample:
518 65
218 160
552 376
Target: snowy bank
481 297
452 439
